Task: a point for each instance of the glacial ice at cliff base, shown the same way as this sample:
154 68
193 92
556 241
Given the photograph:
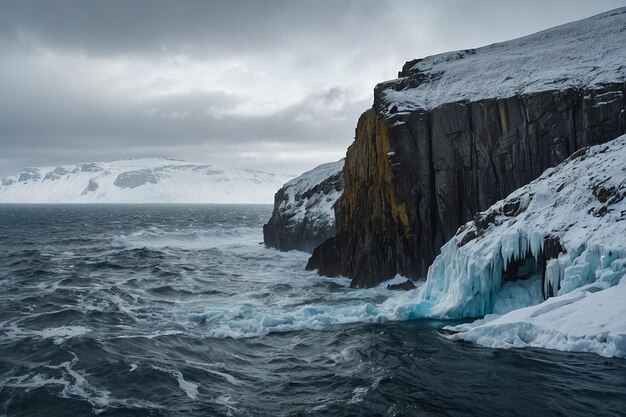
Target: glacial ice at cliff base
562 239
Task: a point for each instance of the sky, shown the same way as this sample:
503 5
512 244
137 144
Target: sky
270 85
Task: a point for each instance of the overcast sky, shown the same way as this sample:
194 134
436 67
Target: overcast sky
274 85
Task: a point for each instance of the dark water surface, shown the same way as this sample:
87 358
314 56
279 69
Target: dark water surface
178 311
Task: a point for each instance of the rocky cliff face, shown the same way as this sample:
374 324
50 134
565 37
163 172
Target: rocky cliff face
459 131
303 215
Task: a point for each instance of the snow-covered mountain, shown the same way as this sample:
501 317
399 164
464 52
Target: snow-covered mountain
148 180
561 238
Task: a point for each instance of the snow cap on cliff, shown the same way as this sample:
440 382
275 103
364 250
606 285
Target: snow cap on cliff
585 53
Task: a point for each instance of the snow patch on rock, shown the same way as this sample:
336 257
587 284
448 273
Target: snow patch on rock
302 202
304 214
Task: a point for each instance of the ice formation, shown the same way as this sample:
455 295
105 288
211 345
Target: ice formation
564 230
588 319
147 180
561 236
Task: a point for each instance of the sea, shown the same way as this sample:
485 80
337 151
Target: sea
180 310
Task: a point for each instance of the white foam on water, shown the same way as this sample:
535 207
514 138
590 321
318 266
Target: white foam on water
278 296
188 387
229 378
358 394
81 387
158 333
58 334
155 238
75 384
226 401
248 317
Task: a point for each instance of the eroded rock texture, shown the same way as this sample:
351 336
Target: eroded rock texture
412 178
303 215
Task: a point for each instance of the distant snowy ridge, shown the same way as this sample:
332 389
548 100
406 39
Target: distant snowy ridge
579 54
147 180
562 236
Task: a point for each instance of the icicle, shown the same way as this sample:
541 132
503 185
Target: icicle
552 278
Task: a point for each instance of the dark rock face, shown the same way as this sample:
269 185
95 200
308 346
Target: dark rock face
304 215
134 179
608 196
90 167
411 179
405 286
92 186
29 174
328 254
551 250
56 173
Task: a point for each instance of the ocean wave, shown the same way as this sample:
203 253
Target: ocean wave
244 319
57 334
156 238
74 384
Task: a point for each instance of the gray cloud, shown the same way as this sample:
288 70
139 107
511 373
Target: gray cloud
228 27
196 27
260 84
68 118
76 119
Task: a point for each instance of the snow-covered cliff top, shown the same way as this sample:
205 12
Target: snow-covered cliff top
304 214
313 177
146 180
585 53
317 207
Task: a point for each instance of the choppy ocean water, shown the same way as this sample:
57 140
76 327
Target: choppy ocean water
179 311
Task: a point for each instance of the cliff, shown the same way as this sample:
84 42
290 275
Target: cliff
303 215
459 131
